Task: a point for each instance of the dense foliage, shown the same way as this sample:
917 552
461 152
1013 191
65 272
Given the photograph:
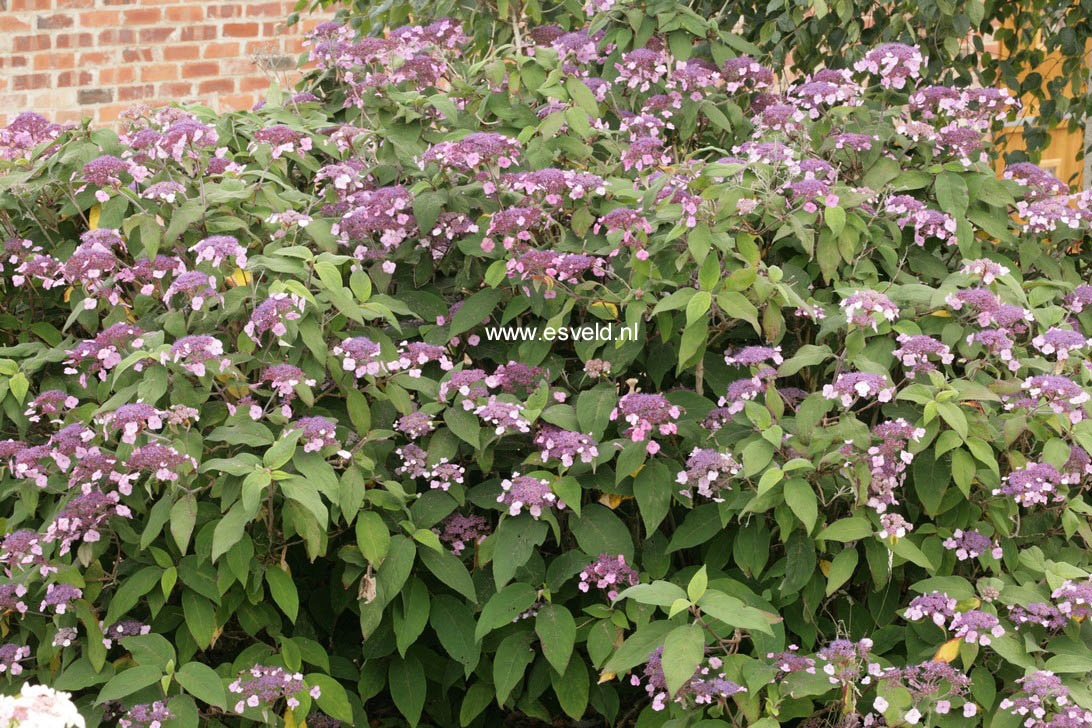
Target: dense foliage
1035 47
270 452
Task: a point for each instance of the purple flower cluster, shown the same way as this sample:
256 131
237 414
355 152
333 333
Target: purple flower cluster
1033 484
708 472
608 572
914 352
894 63
935 606
707 686
263 685
525 491
565 446
146 715
459 531
272 313
971 545
866 308
852 386
645 414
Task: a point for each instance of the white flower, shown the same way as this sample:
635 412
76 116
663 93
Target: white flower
880 705
913 716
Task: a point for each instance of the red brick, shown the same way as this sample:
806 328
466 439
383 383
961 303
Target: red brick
96 58
159 72
181 52
136 55
143 16
30 81
94 96
199 32
221 50
184 14
31 43
69 79
17 5
107 114
54 22
240 30
175 90
224 11
264 10
254 83
134 93
73 40
75 4
12 24
117 75
205 68
155 36
216 86
99 18
117 36
54 61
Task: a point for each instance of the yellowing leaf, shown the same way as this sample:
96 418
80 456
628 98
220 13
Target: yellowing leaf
607 309
942 313
240 278
824 566
948 651
93 217
612 500
67 294
606 677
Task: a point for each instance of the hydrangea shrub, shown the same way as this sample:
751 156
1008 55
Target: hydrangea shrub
268 456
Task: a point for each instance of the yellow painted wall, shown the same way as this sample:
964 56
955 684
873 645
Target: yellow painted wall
1060 157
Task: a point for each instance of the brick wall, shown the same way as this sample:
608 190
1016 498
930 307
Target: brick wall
68 59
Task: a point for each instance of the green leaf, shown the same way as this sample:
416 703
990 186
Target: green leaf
477 698
503 607
931 479
853 528
516 539
801 499
841 569
638 646
800 562
447 567
684 649
200 618
475 310
406 678
652 490
229 530
582 95
599 531
202 682
283 591
734 612
572 688
556 630
128 682
453 623
130 591
333 699
372 536
513 656
593 408
952 194
183 518
359 412
835 218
